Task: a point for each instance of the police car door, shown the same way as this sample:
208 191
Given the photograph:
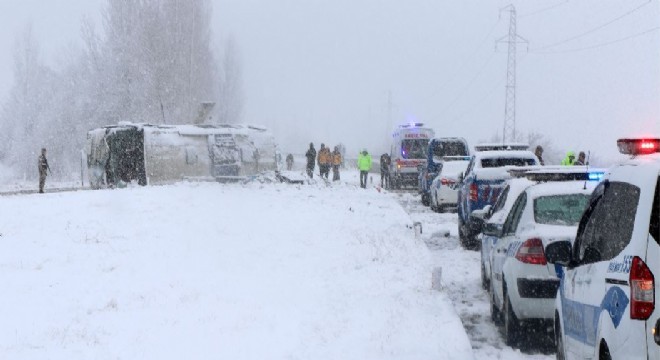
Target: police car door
595 291
505 244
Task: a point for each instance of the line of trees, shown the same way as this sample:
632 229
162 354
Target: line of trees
152 61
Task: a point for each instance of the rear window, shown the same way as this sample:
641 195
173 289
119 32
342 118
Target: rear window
560 209
414 148
499 162
450 148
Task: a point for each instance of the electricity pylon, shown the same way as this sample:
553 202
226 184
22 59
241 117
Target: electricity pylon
512 39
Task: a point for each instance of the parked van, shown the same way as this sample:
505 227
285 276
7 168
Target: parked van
408 152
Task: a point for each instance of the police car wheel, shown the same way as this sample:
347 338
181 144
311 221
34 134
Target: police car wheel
558 340
511 325
604 352
495 313
484 281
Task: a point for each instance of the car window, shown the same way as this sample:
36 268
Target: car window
499 162
450 148
513 219
501 200
563 210
609 227
654 228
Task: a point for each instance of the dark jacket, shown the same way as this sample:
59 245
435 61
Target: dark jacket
311 157
385 162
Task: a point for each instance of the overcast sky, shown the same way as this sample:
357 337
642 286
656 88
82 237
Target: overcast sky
322 71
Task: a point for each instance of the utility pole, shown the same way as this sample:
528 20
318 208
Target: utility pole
512 39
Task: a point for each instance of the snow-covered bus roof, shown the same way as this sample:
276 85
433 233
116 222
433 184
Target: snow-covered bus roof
188 129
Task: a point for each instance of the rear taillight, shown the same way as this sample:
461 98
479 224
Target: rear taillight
642 290
531 252
446 181
474 192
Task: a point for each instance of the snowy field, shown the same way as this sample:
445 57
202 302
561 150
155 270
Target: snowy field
203 270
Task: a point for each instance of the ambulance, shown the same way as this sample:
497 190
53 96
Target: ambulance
408 153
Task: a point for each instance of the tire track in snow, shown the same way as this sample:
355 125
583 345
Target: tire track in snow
461 279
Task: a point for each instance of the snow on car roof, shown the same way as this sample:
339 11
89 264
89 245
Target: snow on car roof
511 154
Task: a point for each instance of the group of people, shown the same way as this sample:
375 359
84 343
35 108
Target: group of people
569 160
326 160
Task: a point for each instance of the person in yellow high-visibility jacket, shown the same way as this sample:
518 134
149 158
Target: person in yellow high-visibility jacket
364 165
569 159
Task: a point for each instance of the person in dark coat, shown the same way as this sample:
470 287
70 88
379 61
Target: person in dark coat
289 162
43 170
385 162
539 154
581 160
311 160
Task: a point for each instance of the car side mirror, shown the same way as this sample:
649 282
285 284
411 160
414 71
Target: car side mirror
491 229
476 221
559 252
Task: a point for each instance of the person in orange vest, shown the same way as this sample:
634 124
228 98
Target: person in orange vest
325 161
336 161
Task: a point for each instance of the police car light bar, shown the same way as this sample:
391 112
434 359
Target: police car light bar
499 147
638 146
556 173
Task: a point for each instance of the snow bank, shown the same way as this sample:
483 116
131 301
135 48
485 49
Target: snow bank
201 271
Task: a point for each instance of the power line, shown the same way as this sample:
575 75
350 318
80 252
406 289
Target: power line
601 44
547 8
471 56
469 84
594 29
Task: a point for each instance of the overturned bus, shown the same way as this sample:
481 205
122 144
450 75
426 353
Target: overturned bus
161 154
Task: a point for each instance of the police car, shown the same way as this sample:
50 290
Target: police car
494 218
523 285
605 306
483 181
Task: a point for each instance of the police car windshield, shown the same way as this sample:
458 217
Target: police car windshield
563 210
414 148
499 162
450 148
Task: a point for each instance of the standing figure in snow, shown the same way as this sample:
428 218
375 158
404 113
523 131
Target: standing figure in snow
311 158
325 161
364 165
569 159
289 162
539 154
336 161
385 162
581 160
43 170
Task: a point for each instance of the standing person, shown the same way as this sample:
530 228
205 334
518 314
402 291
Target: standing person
364 165
569 159
311 158
43 170
289 162
336 162
539 154
581 160
325 161
385 162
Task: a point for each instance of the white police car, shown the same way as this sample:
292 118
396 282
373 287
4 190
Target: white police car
494 221
605 306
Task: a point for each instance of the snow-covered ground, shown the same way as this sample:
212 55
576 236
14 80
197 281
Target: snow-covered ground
205 270
461 279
